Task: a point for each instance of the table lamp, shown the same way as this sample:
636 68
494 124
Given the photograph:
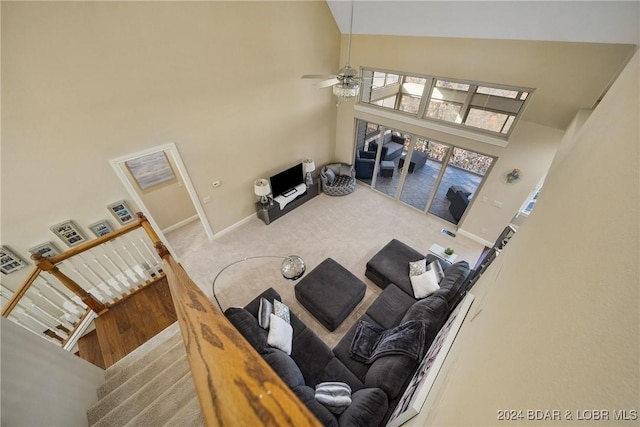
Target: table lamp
262 189
308 166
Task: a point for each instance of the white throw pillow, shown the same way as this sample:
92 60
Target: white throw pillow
417 268
424 284
280 334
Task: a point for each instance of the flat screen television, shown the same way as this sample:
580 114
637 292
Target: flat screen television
286 180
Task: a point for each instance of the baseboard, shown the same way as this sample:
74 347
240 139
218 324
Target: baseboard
234 226
475 238
180 224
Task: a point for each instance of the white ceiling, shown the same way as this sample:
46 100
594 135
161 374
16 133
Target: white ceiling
569 21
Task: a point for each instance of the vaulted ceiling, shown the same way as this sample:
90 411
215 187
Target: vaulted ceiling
569 21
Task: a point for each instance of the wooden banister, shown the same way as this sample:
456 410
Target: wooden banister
46 265
15 298
235 385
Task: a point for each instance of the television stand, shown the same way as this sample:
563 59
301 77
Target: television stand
271 212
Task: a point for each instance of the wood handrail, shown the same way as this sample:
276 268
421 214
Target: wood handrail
55 259
48 264
235 386
15 298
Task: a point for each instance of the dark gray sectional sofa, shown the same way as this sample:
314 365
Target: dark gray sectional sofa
377 387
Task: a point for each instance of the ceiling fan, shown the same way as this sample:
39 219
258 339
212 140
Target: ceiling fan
346 83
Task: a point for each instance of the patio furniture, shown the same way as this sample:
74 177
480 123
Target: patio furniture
386 168
392 146
365 164
418 159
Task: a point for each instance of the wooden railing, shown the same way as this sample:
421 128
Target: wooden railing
83 282
235 385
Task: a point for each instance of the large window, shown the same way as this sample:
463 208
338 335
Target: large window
489 108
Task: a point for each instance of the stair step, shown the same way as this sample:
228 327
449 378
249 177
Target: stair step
167 404
173 353
131 364
189 416
104 414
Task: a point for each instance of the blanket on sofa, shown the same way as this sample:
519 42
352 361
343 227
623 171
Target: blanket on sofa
371 342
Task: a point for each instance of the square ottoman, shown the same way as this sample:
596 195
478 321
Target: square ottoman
330 292
386 168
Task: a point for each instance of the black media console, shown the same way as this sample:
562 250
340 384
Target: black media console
271 212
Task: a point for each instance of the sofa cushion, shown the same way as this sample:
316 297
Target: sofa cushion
307 396
433 311
367 154
371 342
253 307
388 309
311 355
331 175
390 373
391 265
341 351
368 408
437 268
337 371
248 326
454 280
417 268
285 367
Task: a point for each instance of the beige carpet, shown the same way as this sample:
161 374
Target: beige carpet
349 229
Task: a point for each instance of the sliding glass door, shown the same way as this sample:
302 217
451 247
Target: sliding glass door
459 183
431 176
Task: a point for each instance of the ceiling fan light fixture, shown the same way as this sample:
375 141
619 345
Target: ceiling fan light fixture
346 90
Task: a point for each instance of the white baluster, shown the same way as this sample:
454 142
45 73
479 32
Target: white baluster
154 255
17 321
97 290
130 270
69 305
55 320
20 310
148 266
141 271
121 276
110 281
69 316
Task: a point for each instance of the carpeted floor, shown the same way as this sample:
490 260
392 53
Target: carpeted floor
349 229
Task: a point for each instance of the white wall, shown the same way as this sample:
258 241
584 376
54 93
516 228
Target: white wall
43 385
555 323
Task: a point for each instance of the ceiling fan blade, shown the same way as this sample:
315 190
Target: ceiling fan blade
318 76
327 83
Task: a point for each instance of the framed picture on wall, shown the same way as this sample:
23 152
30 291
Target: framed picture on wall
9 261
46 249
151 170
69 232
101 228
121 211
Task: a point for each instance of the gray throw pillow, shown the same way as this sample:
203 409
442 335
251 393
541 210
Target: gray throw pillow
282 311
435 266
330 176
345 169
266 308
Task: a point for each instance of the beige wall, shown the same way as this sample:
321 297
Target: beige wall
86 82
168 203
555 323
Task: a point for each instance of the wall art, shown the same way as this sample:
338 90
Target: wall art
121 211
9 261
69 232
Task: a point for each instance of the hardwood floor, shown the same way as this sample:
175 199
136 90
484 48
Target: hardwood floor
128 324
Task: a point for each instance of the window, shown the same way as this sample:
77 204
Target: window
489 108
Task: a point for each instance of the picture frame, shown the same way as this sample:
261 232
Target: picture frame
121 211
151 170
46 249
69 232
9 261
418 389
101 228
